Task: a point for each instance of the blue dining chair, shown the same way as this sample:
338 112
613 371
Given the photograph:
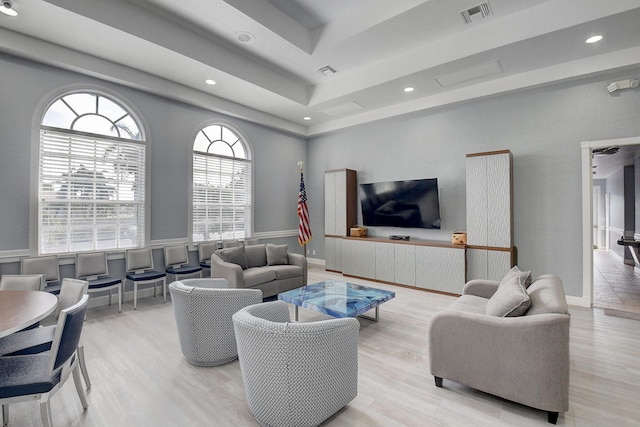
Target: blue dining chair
40 376
140 271
176 260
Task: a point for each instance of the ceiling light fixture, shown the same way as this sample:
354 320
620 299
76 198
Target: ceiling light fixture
409 89
210 82
327 70
593 39
245 37
7 8
307 118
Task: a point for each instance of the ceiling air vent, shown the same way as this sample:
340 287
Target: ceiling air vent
476 13
327 70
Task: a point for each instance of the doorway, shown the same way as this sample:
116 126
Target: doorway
610 283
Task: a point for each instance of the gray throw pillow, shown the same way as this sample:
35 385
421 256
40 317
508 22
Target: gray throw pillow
234 256
515 271
277 254
511 298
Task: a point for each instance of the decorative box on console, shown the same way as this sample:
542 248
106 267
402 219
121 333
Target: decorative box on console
459 238
357 231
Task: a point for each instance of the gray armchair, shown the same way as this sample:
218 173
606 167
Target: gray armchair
524 359
295 374
203 310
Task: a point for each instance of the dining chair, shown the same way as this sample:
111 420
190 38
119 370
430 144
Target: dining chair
205 250
47 265
38 340
40 376
93 267
176 260
251 241
139 267
230 243
26 282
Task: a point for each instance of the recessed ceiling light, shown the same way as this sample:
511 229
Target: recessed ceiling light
594 39
210 82
307 118
7 8
245 37
409 89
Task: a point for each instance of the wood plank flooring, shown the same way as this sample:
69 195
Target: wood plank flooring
140 377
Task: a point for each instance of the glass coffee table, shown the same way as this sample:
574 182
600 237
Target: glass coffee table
337 298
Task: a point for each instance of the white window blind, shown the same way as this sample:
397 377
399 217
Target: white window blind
91 192
221 197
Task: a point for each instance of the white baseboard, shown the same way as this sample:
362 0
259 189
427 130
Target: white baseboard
578 301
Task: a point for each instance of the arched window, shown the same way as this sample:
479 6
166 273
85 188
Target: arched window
91 190
221 185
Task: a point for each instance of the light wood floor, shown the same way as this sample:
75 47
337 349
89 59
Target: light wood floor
616 285
140 377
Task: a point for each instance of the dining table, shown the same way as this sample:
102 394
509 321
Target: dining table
20 309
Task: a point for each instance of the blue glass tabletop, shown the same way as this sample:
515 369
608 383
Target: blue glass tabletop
337 298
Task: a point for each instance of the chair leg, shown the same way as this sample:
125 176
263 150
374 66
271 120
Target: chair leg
83 366
552 417
109 297
5 415
135 295
438 381
79 389
45 412
120 298
164 288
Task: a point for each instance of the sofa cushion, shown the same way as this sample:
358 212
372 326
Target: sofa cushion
516 271
257 275
256 255
234 256
277 254
510 300
470 304
286 271
547 296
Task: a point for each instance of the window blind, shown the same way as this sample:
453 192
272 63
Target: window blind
91 192
221 198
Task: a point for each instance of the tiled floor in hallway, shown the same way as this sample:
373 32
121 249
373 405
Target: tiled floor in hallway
615 284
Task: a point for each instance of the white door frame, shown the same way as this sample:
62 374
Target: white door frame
587 219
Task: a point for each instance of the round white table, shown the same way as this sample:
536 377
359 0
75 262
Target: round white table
19 309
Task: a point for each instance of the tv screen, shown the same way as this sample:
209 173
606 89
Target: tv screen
412 203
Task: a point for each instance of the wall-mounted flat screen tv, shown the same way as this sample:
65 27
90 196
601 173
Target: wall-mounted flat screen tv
412 203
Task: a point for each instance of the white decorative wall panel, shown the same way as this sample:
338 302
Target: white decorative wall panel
405 264
440 269
385 262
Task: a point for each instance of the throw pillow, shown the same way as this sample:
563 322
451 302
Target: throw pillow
515 271
277 254
510 300
234 256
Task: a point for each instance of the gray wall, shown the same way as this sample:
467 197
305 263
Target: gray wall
615 188
543 128
26 85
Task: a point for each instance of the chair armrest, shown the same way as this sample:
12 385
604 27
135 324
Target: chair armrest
227 270
480 288
524 359
300 261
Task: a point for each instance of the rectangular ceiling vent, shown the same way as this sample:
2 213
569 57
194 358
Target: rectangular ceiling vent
476 13
327 70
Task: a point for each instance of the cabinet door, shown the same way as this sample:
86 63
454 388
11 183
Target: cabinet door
499 200
330 203
330 253
477 264
405 264
341 203
359 258
498 264
440 269
385 262
477 200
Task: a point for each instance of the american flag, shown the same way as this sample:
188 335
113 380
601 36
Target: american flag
304 229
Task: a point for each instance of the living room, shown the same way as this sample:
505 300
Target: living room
542 125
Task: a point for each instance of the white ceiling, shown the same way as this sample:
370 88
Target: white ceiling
378 47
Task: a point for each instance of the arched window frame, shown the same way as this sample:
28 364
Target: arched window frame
218 159
91 174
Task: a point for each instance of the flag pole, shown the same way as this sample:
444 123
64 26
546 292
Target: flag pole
304 226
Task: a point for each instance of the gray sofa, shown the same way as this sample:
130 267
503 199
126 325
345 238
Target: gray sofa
491 339
270 268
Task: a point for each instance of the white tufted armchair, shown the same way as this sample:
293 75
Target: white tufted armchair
203 310
295 374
